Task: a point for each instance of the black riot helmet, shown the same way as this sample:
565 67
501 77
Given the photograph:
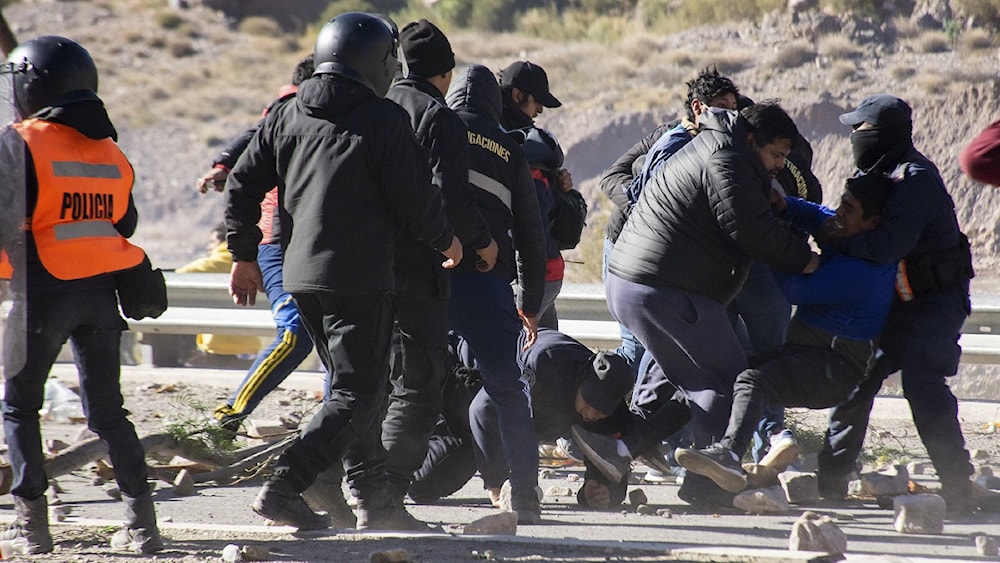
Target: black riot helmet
541 149
50 70
359 46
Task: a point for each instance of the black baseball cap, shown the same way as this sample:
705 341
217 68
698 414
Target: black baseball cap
609 379
881 110
530 79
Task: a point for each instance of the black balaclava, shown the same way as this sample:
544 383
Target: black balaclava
879 147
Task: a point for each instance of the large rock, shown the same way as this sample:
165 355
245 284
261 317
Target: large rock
891 481
500 524
918 514
763 501
817 532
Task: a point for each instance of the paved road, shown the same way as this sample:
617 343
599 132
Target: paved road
868 528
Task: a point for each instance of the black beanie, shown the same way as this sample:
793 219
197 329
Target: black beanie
427 50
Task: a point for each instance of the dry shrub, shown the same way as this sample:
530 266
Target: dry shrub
902 72
976 39
794 54
932 42
638 47
838 47
157 42
133 36
260 26
932 83
843 71
169 20
182 48
679 57
906 28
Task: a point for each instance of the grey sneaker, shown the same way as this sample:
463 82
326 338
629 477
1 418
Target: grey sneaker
391 517
603 452
716 462
32 524
279 502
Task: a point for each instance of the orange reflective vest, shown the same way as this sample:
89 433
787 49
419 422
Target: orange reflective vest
83 190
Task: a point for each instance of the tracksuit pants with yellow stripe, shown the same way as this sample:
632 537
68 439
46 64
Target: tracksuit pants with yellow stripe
289 348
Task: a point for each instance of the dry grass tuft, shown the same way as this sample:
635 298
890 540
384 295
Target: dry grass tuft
260 27
169 20
976 39
932 42
794 54
932 83
902 72
843 71
906 28
838 47
639 48
182 48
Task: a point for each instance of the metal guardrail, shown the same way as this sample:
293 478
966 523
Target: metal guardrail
201 303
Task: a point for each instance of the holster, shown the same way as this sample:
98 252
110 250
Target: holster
936 271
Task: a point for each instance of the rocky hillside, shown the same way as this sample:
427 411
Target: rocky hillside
179 81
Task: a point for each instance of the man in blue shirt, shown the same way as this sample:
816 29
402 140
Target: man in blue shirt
831 340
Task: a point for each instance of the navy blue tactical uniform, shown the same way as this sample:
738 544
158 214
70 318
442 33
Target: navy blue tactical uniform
920 338
482 308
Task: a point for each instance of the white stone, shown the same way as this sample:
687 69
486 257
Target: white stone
891 481
816 532
918 514
799 487
762 501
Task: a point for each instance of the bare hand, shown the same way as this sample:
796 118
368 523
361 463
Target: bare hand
453 254
812 265
214 178
597 494
487 257
565 180
829 230
530 323
245 281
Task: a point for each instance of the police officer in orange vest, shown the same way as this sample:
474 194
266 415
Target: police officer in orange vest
67 210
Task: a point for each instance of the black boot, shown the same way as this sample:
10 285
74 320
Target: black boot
326 494
32 524
527 506
140 534
376 511
278 501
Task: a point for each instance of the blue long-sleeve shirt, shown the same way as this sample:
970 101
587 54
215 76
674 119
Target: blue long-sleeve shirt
846 296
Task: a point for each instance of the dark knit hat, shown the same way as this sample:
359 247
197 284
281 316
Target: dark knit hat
428 52
609 380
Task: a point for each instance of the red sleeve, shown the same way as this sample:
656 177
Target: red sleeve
981 159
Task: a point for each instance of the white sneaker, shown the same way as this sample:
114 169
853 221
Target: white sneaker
783 452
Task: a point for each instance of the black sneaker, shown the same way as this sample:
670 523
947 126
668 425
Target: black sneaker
326 494
657 459
277 501
700 491
602 450
527 506
716 462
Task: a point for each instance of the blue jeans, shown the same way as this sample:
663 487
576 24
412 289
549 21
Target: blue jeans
760 315
90 321
283 355
921 339
631 349
482 312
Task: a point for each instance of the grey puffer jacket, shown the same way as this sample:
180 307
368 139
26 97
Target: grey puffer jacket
704 215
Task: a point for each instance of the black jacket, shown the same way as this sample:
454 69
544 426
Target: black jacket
703 215
350 176
504 189
511 116
442 134
620 174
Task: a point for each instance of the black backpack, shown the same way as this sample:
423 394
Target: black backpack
569 216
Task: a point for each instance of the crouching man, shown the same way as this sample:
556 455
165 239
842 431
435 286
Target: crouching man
569 385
